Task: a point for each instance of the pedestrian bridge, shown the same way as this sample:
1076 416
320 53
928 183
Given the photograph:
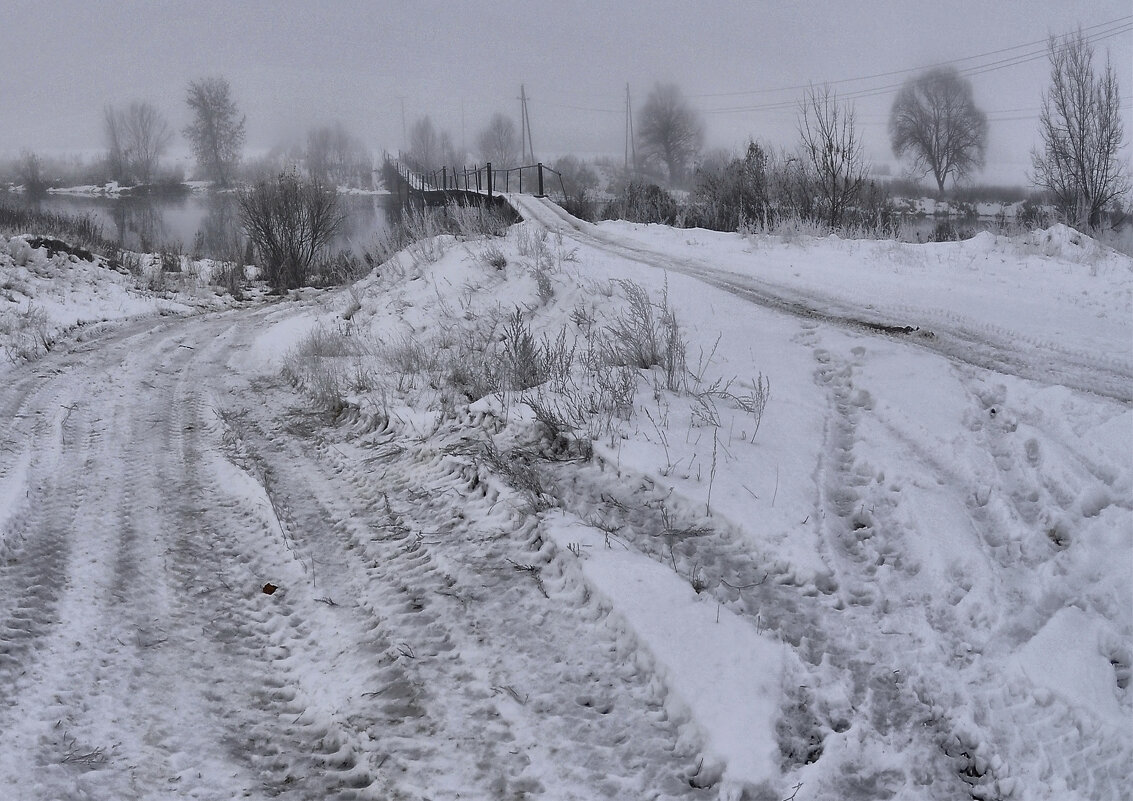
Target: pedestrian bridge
472 185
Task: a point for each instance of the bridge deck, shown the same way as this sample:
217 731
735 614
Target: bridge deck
415 186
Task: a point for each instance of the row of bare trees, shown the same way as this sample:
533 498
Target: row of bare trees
934 122
431 148
670 131
937 128
137 135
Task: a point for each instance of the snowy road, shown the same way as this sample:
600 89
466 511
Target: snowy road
913 583
151 492
988 341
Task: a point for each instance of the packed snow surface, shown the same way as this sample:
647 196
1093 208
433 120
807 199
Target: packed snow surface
858 525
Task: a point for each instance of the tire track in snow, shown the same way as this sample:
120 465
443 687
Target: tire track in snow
99 687
270 717
116 685
469 637
34 550
154 663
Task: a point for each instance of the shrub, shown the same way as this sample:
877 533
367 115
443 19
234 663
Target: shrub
84 230
648 335
1034 213
229 276
339 269
289 221
946 231
321 363
474 220
26 333
643 203
422 232
732 193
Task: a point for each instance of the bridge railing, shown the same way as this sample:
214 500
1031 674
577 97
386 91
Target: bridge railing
484 179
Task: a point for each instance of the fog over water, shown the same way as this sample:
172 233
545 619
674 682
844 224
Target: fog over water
200 224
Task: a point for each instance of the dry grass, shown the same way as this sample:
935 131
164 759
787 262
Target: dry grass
25 333
646 335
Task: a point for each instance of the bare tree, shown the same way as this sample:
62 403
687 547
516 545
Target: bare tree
449 153
30 171
1081 133
115 146
216 133
335 156
670 130
289 221
424 144
136 138
934 120
499 142
832 152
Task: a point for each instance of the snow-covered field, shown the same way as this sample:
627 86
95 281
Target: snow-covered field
864 529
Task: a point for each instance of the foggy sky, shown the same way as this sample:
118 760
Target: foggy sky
295 64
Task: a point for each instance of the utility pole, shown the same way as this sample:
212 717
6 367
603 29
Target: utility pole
525 147
631 143
404 138
522 123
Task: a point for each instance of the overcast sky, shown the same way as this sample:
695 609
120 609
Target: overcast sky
293 64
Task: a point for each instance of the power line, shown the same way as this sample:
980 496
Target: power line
1034 51
993 115
885 89
1122 20
978 69
580 108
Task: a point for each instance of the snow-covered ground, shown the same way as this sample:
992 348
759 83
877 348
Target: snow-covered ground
52 292
864 530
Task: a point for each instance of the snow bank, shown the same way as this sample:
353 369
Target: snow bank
46 294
